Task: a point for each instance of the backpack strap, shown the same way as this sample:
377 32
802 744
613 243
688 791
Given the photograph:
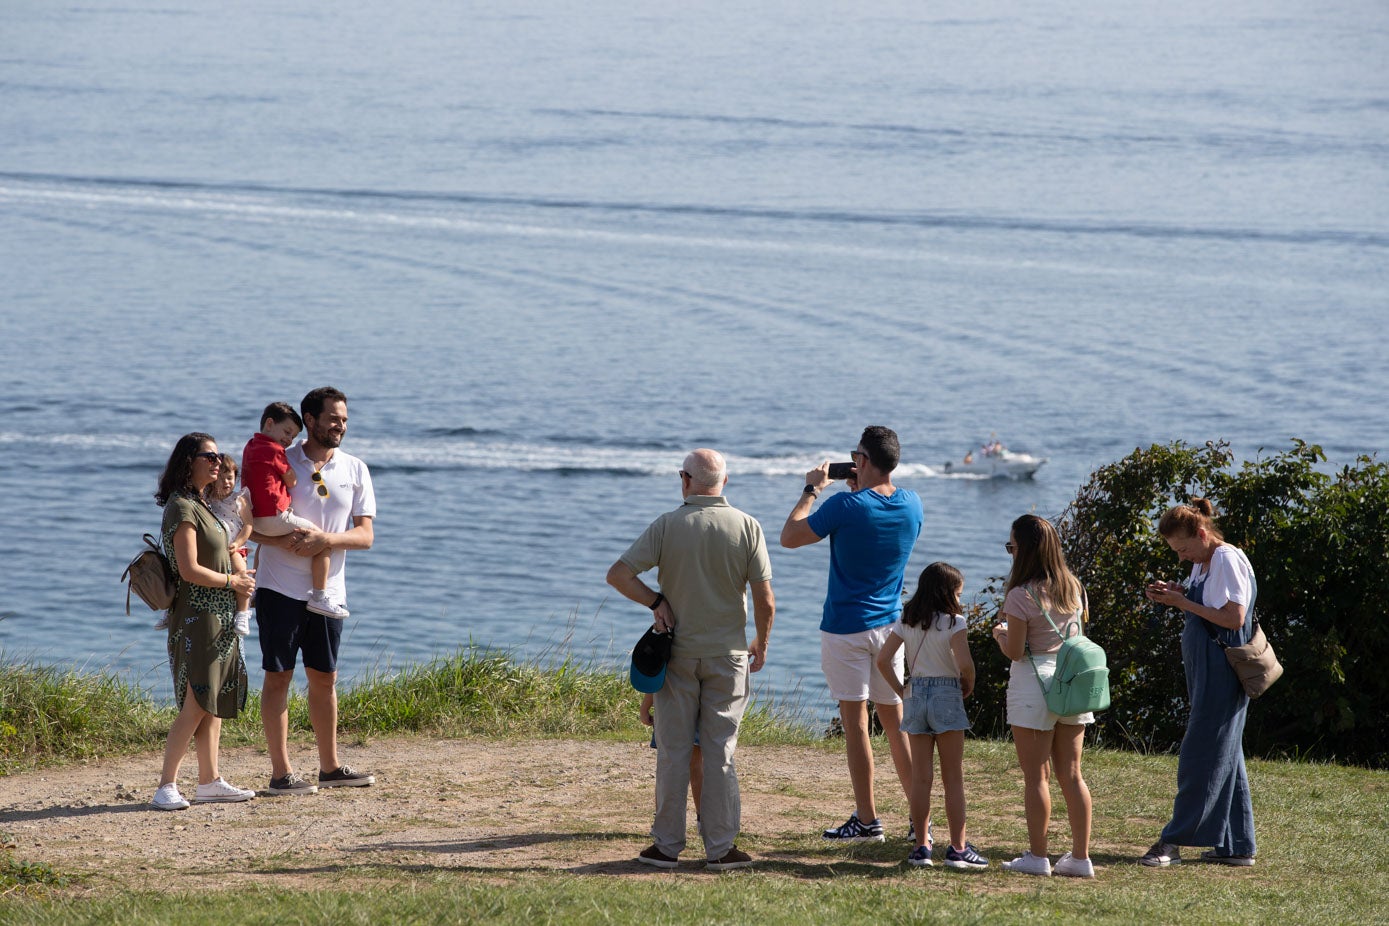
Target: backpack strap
1064 637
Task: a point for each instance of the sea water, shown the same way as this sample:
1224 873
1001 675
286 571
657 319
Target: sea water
545 249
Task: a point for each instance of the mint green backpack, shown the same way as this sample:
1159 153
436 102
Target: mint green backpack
1081 681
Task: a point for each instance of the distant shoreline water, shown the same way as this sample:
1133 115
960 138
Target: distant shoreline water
545 255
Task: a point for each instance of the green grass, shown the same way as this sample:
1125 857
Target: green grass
1323 829
48 715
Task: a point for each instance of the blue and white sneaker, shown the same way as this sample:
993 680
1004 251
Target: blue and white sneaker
965 859
855 830
920 857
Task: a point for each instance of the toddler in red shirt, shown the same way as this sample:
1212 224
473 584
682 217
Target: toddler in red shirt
268 477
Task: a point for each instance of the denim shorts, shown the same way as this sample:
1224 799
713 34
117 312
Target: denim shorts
934 705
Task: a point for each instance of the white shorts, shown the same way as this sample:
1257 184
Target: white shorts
277 525
1027 705
849 661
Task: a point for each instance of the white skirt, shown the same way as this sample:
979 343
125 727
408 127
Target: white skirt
1027 705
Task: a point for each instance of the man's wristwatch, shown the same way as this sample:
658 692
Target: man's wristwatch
657 603
811 490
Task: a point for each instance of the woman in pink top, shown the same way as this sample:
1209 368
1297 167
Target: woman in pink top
1040 578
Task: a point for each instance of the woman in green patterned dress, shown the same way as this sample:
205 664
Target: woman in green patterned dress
204 650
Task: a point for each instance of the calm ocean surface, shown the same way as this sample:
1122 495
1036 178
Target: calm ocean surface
545 248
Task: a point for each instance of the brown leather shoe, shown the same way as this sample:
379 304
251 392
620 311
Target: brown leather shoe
735 858
656 858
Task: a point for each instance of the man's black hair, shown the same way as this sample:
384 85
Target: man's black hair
882 447
313 403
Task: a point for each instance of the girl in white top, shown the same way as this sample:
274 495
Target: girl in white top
233 509
933 712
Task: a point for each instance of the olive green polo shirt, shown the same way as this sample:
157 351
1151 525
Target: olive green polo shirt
706 552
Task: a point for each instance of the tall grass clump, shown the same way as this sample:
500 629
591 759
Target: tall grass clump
475 692
48 713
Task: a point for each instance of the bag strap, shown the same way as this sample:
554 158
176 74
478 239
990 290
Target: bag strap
1085 609
1210 629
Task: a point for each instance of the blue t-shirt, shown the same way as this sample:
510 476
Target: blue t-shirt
871 537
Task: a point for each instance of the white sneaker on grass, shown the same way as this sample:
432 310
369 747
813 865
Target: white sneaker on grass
1029 864
319 603
219 790
168 798
1070 867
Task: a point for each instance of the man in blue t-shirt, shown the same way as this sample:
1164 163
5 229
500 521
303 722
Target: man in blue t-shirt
872 529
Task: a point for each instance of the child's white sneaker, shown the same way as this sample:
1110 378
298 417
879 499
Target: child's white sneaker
242 623
320 603
1069 867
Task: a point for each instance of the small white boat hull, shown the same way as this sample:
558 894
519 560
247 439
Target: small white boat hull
1005 465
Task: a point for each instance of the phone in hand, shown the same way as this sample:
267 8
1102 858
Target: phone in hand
841 470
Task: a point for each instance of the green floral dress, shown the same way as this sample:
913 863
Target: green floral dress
204 650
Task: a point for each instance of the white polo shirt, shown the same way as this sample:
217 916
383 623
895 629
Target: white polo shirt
350 495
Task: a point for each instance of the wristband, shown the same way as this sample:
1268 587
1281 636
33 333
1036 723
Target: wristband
228 585
657 603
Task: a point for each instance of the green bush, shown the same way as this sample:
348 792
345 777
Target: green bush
1319 544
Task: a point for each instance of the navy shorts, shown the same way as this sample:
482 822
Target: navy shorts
287 627
934 705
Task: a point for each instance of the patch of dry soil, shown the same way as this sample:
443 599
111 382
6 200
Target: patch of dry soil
487 808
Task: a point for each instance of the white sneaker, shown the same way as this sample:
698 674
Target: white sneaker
220 790
242 623
319 603
1030 864
1069 867
168 798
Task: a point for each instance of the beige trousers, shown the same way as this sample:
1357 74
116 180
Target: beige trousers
707 695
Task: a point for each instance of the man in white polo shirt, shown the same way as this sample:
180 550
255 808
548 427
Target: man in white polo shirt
334 492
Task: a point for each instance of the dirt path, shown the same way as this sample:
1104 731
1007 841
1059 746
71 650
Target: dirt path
481 806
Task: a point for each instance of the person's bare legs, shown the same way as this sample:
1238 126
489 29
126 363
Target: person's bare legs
898 743
920 796
1067 742
323 715
274 718
184 728
1034 755
951 749
318 570
853 716
208 739
243 599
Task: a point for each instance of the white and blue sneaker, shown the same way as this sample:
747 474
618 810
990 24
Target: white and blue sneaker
855 830
920 857
966 859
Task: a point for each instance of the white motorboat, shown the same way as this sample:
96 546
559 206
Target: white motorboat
996 461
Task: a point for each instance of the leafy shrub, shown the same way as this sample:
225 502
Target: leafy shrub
1319 544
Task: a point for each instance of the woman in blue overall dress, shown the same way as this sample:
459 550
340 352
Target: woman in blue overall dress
1212 807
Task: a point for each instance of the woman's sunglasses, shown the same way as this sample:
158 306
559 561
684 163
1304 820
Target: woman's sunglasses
319 485
209 456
